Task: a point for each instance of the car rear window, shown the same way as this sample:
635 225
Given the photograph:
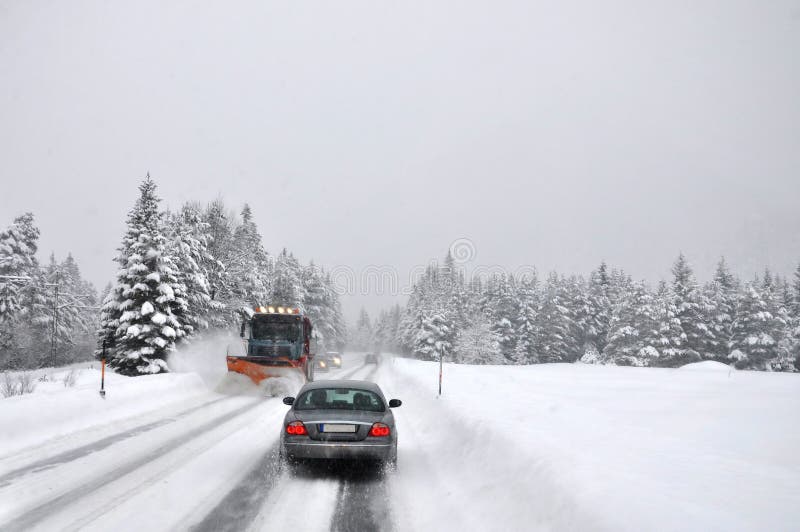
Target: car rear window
339 399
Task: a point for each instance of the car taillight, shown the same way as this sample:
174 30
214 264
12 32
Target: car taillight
296 428
379 429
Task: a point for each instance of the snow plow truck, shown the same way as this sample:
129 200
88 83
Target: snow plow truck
277 344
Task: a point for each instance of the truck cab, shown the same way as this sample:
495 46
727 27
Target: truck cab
277 340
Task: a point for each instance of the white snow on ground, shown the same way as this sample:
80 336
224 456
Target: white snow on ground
708 365
548 447
596 447
54 410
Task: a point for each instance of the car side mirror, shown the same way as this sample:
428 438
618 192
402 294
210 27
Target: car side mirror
288 401
394 403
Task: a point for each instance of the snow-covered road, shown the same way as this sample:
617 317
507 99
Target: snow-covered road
211 465
551 447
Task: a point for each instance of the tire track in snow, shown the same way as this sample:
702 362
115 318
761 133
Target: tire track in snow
346 375
30 518
239 508
84 450
362 502
241 505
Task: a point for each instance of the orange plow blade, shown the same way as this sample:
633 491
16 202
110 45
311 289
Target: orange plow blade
259 370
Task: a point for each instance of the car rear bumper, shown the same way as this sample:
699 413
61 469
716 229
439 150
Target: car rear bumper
321 450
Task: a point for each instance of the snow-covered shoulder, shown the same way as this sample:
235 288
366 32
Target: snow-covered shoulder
708 365
605 447
55 410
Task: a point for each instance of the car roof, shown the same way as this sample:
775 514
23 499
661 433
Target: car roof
359 385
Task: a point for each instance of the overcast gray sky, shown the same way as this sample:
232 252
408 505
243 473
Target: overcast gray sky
369 132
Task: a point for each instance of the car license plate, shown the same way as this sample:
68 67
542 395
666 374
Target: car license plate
335 427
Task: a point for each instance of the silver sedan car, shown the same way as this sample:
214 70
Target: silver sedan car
335 419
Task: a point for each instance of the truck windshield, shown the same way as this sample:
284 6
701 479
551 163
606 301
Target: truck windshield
276 331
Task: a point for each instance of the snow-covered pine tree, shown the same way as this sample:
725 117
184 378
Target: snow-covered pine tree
786 343
578 302
69 319
598 313
339 324
141 314
82 296
796 294
18 246
634 338
623 337
477 343
287 287
220 225
363 336
557 342
250 268
431 341
380 332
502 297
795 319
21 297
723 293
667 335
395 316
780 325
188 236
698 339
526 332
754 332
322 305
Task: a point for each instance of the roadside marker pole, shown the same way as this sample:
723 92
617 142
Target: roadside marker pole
103 373
441 356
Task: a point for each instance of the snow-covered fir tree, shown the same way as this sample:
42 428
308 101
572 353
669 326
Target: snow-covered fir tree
557 341
526 330
691 308
432 340
250 268
503 307
478 343
362 338
568 319
21 296
287 285
142 314
756 330
18 246
596 331
219 224
634 337
723 294
322 305
189 238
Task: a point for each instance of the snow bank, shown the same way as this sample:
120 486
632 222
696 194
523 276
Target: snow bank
573 446
708 365
55 410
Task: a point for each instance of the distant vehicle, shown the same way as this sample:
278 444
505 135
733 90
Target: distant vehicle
321 364
334 359
334 420
372 358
